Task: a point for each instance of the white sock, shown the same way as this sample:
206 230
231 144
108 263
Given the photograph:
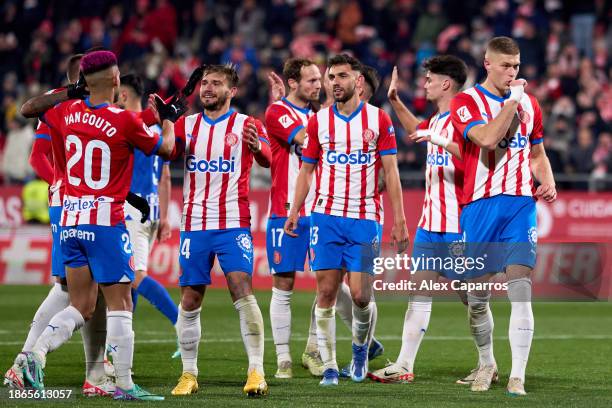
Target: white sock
189 333
311 344
373 320
326 336
58 331
121 346
280 320
362 318
94 343
57 300
521 327
481 326
416 322
344 305
252 329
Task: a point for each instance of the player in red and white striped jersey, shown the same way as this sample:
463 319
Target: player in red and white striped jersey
500 128
349 142
219 146
439 224
286 121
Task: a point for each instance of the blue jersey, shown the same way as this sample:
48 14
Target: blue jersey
145 177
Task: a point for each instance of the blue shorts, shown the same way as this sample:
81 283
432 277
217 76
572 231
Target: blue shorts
107 250
57 259
340 242
502 229
285 253
439 252
233 248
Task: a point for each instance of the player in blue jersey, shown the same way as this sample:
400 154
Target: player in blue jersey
151 181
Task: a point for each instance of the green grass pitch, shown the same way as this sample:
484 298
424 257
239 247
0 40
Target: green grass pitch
570 364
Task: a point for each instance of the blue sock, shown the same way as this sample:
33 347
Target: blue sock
159 297
134 299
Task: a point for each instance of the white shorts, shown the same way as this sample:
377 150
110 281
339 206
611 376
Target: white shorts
142 236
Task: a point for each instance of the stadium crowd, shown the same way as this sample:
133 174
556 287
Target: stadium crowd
565 47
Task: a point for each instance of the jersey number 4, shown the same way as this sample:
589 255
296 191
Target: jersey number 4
90 147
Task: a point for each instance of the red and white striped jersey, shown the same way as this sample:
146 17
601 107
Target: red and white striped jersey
443 180
99 150
217 170
348 151
504 170
283 121
56 189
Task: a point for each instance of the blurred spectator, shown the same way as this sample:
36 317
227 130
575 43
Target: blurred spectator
581 157
15 166
565 53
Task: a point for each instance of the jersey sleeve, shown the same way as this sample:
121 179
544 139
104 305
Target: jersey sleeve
311 149
40 157
281 124
386 138
140 136
52 118
465 114
180 136
537 134
262 132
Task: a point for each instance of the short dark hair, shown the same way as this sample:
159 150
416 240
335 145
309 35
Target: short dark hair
504 45
448 65
293 68
229 70
342 59
133 82
370 74
73 67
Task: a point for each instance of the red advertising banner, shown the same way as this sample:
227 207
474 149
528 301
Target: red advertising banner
573 218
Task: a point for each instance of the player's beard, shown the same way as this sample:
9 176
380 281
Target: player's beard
213 106
347 94
306 98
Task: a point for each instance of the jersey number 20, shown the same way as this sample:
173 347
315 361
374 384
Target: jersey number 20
90 147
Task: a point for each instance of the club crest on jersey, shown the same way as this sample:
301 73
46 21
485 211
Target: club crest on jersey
312 254
464 114
231 139
444 133
132 264
524 116
368 135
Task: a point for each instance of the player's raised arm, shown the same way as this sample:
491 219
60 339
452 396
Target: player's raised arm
490 134
77 89
406 118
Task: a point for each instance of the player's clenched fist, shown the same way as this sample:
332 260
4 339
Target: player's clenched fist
291 224
547 192
399 234
250 136
517 89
